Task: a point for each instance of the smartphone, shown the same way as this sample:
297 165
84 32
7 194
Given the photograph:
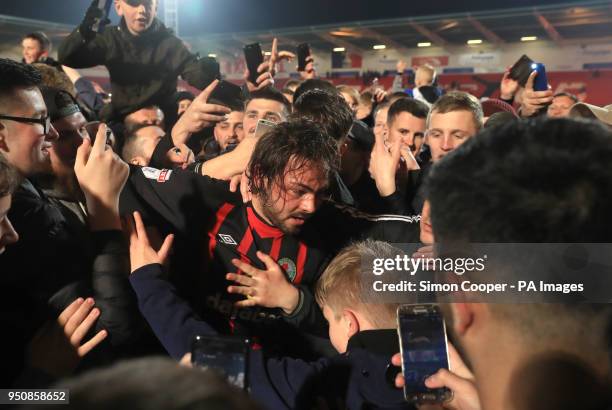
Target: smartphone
263 126
521 70
423 346
226 355
254 58
100 24
303 52
541 81
226 93
92 130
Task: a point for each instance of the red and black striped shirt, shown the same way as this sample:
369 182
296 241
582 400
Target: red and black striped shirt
213 226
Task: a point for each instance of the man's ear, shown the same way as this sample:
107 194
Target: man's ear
344 146
118 8
3 137
463 317
351 322
138 160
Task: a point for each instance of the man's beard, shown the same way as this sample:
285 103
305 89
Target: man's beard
273 216
276 221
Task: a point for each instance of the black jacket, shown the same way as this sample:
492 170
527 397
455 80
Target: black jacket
409 196
56 260
361 378
144 69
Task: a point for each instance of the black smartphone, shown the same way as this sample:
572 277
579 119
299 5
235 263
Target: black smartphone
254 58
225 355
303 52
226 93
92 130
521 70
100 24
423 345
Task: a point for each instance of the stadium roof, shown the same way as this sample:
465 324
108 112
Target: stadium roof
569 23
564 24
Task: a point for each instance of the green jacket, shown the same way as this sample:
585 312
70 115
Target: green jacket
143 69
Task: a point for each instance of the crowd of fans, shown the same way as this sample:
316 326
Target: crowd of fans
133 220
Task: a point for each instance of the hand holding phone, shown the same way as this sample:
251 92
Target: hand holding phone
533 100
224 354
460 381
96 18
254 58
227 94
262 128
303 52
541 81
424 351
521 70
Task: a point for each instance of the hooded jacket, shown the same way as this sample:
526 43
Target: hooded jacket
143 69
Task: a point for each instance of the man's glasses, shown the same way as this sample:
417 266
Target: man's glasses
136 3
45 121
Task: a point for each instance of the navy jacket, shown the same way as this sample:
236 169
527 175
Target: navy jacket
359 379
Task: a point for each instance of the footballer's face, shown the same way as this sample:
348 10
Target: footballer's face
289 206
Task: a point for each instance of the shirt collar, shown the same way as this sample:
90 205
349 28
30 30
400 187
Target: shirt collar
380 341
263 229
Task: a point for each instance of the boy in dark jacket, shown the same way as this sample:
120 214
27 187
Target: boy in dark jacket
363 333
142 56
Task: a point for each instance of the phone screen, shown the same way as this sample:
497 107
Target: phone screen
303 52
225 355
254 58
423 347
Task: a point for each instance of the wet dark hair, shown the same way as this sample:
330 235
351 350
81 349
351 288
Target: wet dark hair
289 147
329 110
312 84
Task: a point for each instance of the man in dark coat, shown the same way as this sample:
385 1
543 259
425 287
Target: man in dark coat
143 57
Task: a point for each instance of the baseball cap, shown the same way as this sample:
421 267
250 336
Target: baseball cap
603 114
59 103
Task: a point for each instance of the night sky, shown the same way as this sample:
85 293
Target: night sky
222 16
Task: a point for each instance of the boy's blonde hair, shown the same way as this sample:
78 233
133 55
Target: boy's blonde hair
424 75
339 287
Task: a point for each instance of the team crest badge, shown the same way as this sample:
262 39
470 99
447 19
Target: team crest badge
289 267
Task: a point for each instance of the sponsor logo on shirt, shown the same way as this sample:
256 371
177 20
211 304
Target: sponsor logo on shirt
227 239
159 175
